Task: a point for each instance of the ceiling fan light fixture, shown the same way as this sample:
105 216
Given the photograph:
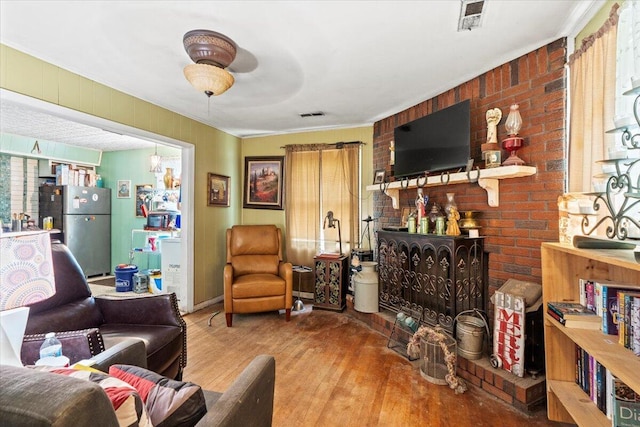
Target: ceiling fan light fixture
208 78
212 52
209 47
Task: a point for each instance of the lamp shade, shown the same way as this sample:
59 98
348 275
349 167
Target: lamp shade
209 79
26 269
155 162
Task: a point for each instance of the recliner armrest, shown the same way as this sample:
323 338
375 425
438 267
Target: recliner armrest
161 309
249 399
285 270
130 351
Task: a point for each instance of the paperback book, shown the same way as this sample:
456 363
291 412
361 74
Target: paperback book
577 323
573 310
626 333
626 405
591 376
635 326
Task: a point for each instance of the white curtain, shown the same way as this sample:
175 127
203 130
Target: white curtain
627 61
593 82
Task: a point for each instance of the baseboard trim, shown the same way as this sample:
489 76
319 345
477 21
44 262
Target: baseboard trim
208 303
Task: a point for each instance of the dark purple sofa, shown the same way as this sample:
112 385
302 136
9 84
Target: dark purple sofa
155 319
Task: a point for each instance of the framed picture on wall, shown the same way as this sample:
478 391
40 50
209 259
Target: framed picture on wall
217 190
263 182
124 189
378 176
144 194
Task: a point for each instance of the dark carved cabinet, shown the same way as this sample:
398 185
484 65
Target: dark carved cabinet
437 276
331 280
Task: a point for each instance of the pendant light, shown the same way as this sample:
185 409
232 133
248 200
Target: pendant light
156 162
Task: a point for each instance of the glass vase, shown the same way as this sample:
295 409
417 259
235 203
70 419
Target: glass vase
434 213
168 179
451 203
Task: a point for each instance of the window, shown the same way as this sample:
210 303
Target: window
321 178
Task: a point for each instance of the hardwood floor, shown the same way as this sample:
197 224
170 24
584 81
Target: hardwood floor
332 370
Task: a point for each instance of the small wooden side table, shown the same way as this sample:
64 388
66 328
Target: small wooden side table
331 281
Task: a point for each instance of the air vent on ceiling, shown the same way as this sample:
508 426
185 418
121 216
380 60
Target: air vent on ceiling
470 14
314 114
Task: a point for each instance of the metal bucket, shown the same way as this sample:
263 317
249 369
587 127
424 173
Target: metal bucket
470 335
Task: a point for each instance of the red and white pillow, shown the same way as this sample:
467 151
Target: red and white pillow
168 402
127 403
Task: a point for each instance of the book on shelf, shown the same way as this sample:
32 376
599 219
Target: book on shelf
635 326
595 380
626 405
582 291
585 322
572 310
610 306
591 295
626 333
609 394
603 298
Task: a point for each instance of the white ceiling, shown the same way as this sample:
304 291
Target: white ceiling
356 61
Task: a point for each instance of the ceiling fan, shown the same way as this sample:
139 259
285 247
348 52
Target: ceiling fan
211 53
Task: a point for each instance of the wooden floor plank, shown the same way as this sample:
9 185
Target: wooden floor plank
332 370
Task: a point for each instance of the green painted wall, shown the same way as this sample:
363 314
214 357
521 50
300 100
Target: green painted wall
25 147
132 165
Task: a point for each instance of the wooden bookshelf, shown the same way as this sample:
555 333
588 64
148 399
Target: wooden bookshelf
562 267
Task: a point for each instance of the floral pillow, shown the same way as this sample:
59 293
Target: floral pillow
168 402
127 403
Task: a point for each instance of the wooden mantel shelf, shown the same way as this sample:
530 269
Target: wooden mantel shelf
489 179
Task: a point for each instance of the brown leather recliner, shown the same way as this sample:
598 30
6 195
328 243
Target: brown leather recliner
256 279
155 319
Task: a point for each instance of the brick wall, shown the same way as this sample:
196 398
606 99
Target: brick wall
527 214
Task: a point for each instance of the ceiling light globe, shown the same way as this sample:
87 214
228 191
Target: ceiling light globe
209 79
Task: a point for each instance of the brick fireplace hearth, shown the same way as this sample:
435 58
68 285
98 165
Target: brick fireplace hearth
525 394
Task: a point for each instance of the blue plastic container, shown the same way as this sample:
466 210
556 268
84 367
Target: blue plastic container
124 277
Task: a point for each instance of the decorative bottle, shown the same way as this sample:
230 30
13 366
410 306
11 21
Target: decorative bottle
451 203
168 179
433 214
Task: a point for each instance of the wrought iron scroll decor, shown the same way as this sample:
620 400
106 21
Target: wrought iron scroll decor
621 196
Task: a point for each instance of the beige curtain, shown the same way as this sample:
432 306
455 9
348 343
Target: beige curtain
320 178
302 215
592 98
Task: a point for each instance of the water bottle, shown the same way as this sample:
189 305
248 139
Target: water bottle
51 347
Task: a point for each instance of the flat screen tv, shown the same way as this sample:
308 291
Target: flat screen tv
437 142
